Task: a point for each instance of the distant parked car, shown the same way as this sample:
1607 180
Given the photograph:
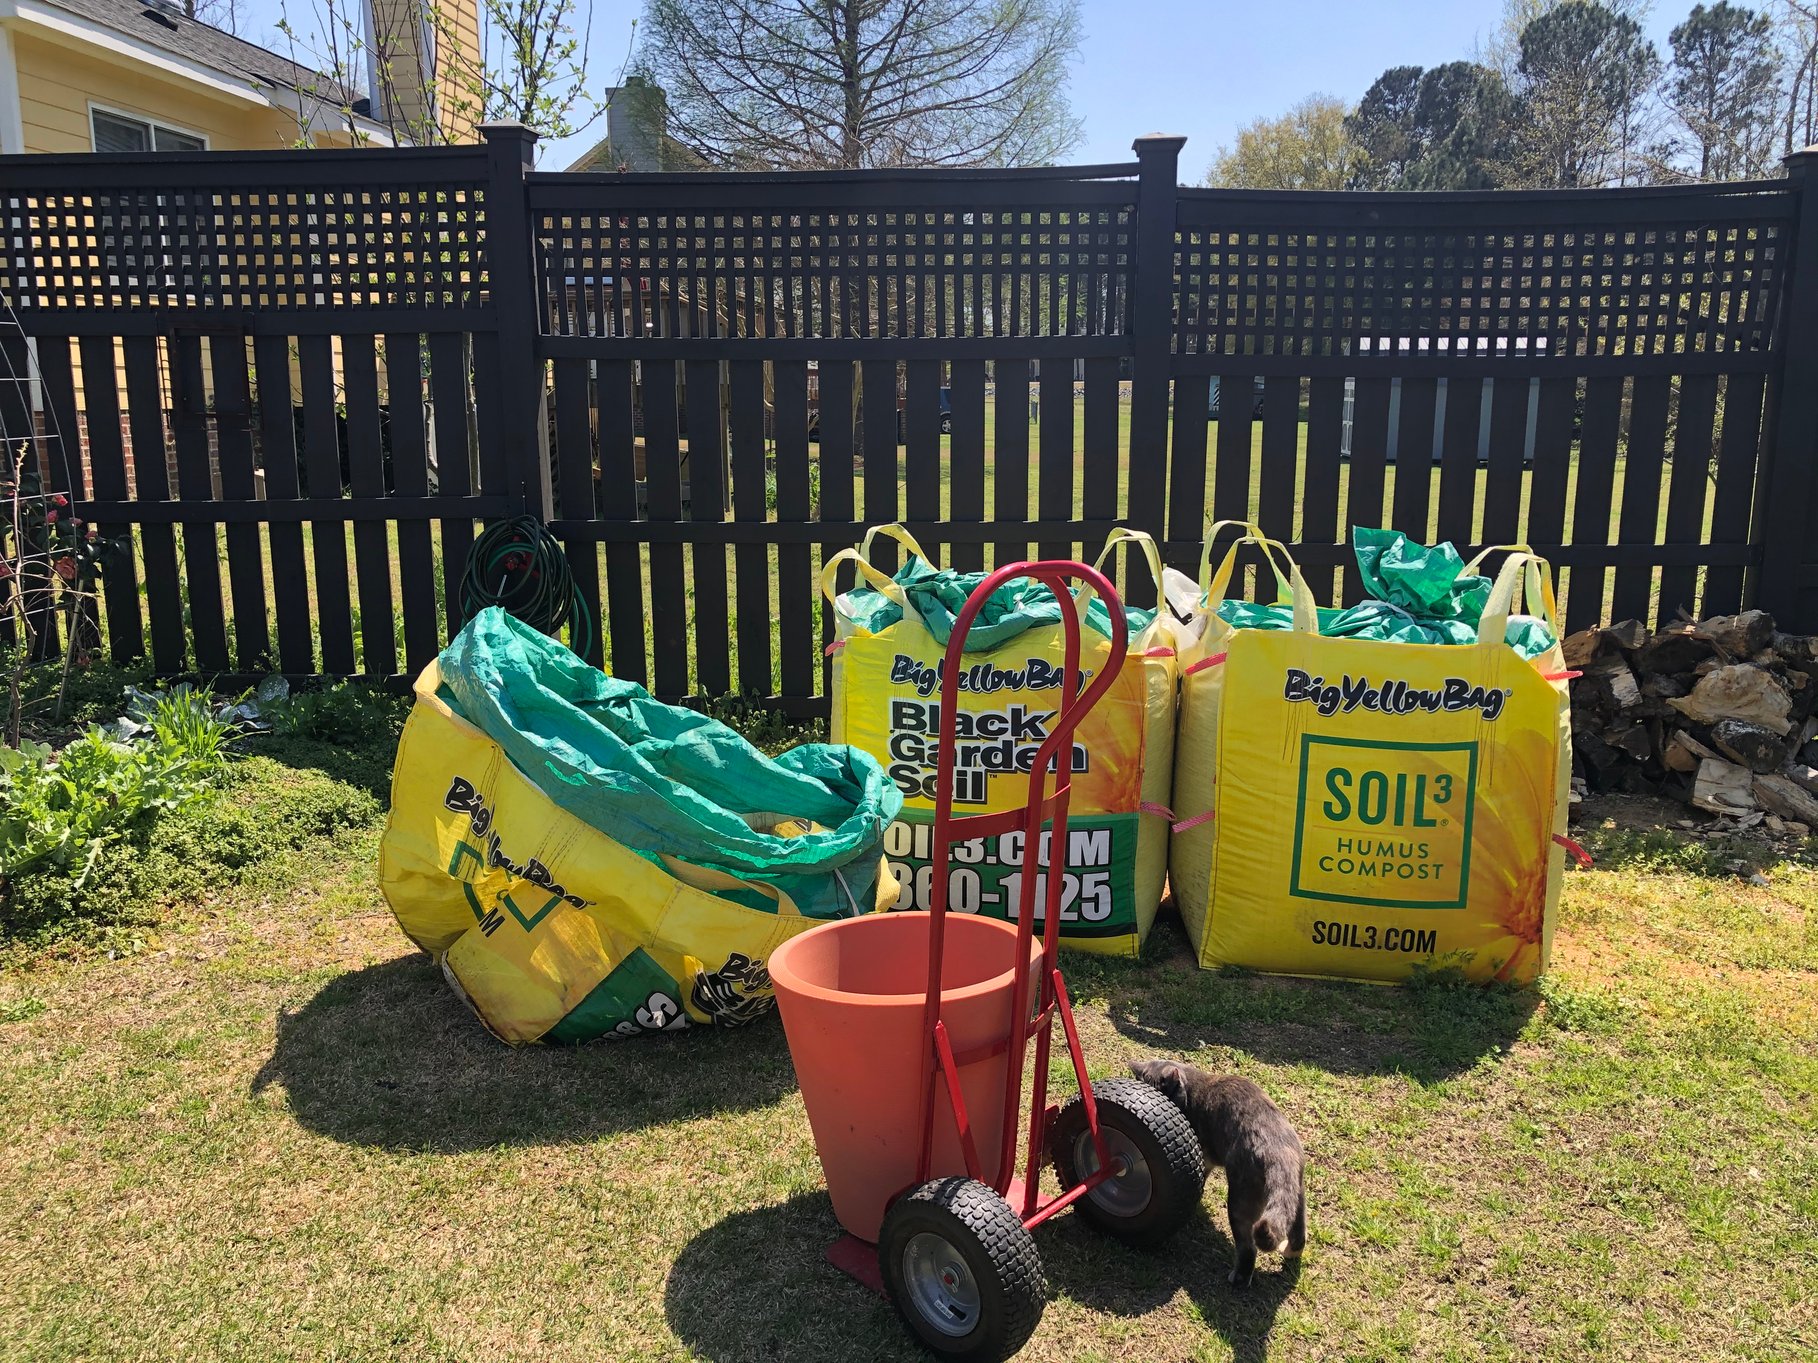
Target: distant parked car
1256 405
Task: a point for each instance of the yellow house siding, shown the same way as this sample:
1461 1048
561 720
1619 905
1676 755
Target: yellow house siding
457 51
57 84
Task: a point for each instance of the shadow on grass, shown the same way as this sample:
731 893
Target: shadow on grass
756 1286
366 766
1429 1030
389 1057
1101 1273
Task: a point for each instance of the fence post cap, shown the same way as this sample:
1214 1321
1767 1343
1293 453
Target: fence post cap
1799 160
1152 143
505 132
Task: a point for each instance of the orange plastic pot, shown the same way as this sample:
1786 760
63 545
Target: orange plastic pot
851 995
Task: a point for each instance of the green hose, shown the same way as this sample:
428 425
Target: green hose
519 565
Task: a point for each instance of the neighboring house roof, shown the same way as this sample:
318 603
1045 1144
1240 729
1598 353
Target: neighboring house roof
671 155
166 27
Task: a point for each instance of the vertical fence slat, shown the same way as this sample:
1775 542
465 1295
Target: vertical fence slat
107 469
234 456
834 422
1596 490
322 468
1502 476
707 502
1280 472
922 440
878 417
1100 457
1319 487
59 460
574 490
1236 441
1369 462
15 426
966 459
1686 487
1414 457
151 478
1458 461
454 462
794 506
410 478
745 421
663 479
1735 487
1054 491
278 455
201 553
1187 458
619 502
1010 455
1552 461
366 478
1641 478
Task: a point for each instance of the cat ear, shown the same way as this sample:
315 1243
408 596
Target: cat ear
1170 1079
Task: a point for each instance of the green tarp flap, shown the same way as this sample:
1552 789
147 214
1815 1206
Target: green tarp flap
665 780
1420 594
937 595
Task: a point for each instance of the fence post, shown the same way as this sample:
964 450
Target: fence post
514 443
1785 586
1151 333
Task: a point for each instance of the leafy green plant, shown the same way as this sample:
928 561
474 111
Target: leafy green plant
346 713
60 808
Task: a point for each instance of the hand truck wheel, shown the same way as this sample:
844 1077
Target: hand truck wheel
1162 1172
962 1270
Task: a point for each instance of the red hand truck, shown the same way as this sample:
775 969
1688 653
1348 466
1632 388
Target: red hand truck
955 1255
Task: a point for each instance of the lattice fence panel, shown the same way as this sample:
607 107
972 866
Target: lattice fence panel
267 247
1607 291
902 272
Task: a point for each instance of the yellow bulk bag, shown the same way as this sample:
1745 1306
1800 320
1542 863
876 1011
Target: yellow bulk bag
550 928
1389 804
887 661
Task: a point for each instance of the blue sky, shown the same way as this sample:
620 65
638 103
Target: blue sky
1199 67
1206 67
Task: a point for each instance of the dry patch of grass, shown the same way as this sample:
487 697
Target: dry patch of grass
277 1135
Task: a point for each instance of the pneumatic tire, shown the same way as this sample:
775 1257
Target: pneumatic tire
962 1271
1164 1171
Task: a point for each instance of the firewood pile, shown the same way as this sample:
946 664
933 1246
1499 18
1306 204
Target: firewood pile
1718 713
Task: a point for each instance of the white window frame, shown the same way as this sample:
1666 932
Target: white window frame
133 116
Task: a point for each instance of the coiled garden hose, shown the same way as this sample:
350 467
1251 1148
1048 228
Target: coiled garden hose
519 565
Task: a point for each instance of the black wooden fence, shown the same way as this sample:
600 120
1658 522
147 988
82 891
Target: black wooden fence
299 380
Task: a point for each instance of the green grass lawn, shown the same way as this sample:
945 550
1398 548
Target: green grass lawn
267 1130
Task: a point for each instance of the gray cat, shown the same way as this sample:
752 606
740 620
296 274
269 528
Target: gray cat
1239 1128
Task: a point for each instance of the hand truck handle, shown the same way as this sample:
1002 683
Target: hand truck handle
1038 808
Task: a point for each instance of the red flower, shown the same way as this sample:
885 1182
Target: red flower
50 518
66 568
59 500
6 570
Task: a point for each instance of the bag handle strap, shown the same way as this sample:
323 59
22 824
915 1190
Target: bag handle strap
1123 535
881 581
898 532
712 881
1214 585
1523 572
